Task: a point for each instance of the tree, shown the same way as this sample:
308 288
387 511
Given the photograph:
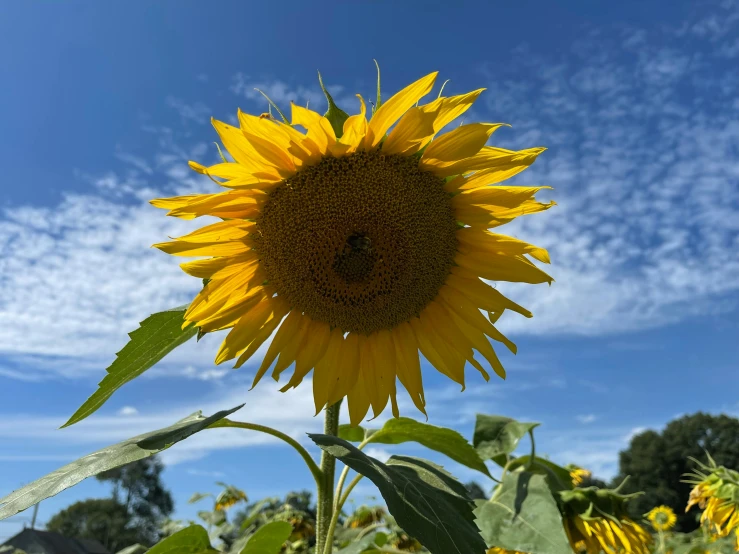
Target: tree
138 506
138 487
102 519
656 462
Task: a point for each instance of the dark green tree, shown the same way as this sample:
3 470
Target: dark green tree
657 462
138 487
102 519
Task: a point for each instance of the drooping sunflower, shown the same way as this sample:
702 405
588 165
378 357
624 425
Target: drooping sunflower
596 520
716 492
229 496
359 243
662 518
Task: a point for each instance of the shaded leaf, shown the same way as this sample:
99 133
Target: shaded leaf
365 543
427 502
107 458
351 433
443 440
557 476
190 540
498 435
523 516
156 337
215 518
269 538
198 496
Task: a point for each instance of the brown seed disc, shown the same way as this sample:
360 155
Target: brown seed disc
362 242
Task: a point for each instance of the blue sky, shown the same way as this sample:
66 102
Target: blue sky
103 104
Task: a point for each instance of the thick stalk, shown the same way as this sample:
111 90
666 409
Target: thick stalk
326 489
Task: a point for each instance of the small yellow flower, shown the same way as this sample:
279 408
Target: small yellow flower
365 516
359 244
662 518
496 550
578 475
228 497
716 492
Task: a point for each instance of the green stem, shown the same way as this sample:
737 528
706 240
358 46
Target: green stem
325 502
339 502
314 469
661 541
533 450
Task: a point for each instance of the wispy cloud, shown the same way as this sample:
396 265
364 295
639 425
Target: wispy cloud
196 112
586 418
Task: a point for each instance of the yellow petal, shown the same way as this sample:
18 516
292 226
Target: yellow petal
358 399
479 342
355 128
467 311
239 338
221 231
395 107
410 132
318 127
450 108
476 240
280 308
182 248
327 369
428 349
487 158
516 269
490 215
238 146
408 364
310 352
290 350
346 372
483 295
458 144
285 334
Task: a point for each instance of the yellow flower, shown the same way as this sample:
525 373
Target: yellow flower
359 245
496 550
229 496
578 475
662 518
593 535
596 520
716 492
365 516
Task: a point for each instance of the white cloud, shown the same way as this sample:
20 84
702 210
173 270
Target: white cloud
205 473
378 453
586 418
197 112
128 411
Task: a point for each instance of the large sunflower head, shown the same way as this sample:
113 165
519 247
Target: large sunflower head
716 492
359 243
662 518
596 520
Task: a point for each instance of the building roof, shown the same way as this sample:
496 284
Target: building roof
34 541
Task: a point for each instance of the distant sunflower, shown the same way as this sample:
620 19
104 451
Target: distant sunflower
578 475
229 497
360 243
662 518
716 492
497 550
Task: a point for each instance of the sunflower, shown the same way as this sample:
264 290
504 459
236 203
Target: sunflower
497 550
596 520
358 244
229 497
662 518
716 492
578 475
593 535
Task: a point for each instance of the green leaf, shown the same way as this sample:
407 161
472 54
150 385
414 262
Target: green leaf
351 433
557 476
335 115
190 540
269 538
427 502
216 517
498 435
443 440
523 516
198 496
367 542
156 337
256 511
107 458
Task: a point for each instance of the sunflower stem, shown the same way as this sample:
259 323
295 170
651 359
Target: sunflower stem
325 504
